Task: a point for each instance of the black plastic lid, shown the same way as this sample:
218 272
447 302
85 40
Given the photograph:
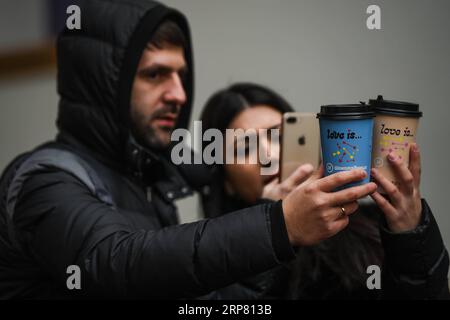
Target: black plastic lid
346 111
396 108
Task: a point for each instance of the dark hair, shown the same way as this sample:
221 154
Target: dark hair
220 109
168 32
223 106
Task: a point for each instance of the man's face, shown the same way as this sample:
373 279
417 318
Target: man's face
158 94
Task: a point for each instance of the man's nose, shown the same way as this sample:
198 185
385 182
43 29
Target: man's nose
175 90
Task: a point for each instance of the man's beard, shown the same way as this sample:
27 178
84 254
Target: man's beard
145 134
150 139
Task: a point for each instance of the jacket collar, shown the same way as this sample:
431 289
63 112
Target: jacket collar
153 168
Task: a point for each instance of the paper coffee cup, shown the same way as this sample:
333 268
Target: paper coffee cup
346 137
395 128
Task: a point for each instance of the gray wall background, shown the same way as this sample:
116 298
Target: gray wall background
313 52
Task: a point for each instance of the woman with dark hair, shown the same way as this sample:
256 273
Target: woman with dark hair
241 106
236 186
414 261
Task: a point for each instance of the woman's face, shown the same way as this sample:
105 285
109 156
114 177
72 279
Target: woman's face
245 180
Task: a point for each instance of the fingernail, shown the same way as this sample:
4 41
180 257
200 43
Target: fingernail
416 148
373 172
363 173
391 157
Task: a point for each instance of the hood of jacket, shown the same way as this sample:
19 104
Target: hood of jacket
96 69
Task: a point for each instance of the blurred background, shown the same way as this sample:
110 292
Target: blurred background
313 52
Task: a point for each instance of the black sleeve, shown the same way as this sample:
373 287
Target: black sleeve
416 262
271 284
61 223
280 239
284 250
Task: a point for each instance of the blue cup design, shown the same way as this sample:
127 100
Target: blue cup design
346 143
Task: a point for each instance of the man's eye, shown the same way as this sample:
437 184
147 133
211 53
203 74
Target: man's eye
153 75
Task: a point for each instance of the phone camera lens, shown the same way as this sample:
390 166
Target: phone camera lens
291 120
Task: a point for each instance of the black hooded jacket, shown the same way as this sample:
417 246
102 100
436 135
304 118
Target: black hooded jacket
125 238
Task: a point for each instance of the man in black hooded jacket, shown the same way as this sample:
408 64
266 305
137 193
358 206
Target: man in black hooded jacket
99 199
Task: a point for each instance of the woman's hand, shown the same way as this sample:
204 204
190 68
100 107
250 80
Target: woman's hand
275 190
403 208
